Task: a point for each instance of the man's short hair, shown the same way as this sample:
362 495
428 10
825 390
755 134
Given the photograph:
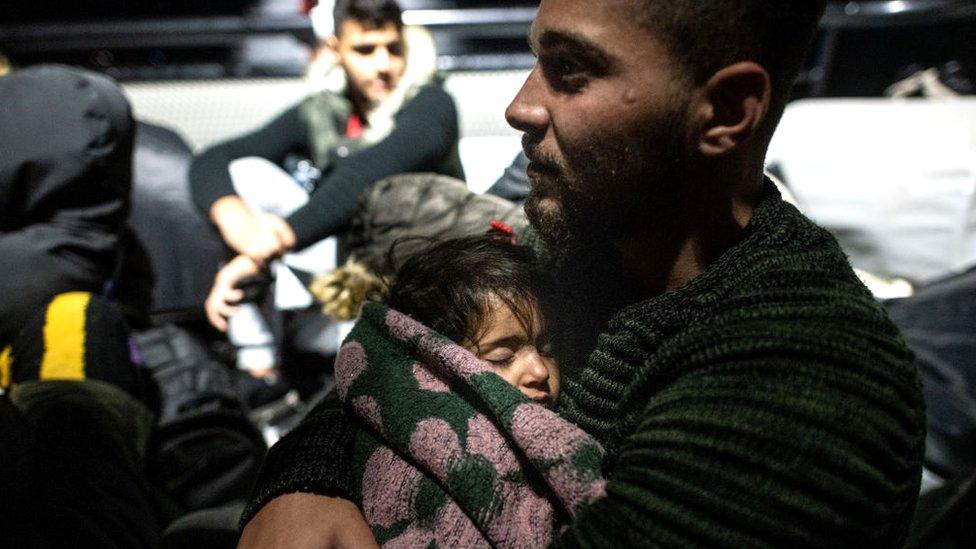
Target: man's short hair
372 14
706 35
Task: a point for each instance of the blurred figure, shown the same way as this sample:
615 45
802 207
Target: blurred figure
296 180
73 425
65 180
74 433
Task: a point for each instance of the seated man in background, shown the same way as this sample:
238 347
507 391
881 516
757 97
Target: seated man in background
386 116
746 386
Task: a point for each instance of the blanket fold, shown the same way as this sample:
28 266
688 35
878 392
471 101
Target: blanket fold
452 455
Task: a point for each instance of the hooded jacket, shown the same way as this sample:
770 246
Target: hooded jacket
65 180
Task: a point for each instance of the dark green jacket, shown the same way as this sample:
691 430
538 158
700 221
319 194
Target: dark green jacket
424 139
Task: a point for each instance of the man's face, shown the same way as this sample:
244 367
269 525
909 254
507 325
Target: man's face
604 119
372 58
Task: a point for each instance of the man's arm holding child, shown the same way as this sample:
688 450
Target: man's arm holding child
303 495
301 520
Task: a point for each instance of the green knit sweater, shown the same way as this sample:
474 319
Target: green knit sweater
770 402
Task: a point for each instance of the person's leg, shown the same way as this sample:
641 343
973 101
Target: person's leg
265 187
939 325
251 334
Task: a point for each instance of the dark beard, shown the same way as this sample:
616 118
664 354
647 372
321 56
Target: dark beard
616 185
551 224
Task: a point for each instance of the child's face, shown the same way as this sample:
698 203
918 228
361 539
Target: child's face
517 353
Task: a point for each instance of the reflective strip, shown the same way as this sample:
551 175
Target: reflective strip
64 337
5 368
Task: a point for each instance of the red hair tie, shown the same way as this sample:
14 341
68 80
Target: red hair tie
501 230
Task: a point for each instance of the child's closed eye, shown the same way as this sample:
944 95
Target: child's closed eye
499 357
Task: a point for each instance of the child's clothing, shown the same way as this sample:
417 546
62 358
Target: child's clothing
454 455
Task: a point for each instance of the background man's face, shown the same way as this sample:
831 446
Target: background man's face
372 58
604 119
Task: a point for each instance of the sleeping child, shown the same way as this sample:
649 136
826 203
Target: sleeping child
453 382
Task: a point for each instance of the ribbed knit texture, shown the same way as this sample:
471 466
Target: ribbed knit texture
315 457
769 402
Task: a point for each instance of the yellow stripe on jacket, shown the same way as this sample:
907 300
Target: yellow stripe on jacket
64 337
5 367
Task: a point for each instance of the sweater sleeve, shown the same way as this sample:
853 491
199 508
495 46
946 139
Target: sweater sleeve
209 175
426 131
314 457
772 447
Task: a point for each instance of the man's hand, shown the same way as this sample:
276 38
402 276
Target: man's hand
223 298
307 521
258 235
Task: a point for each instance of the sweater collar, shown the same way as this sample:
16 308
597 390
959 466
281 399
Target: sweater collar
702 286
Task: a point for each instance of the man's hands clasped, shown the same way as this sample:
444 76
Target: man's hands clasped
258 237
224 297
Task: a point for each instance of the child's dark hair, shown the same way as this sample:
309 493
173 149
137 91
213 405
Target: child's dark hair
447 286
373 14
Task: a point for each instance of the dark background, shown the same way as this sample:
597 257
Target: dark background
863 47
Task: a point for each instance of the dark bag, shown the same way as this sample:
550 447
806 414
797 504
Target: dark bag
205 452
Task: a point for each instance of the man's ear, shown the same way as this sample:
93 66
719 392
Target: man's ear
331 43
327 51
734 104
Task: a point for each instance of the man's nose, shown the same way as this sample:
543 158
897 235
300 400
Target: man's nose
381 60
527 112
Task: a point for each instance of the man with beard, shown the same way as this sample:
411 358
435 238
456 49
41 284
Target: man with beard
747 388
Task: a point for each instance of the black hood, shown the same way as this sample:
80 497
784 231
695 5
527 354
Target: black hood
65 150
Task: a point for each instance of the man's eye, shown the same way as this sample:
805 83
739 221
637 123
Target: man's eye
564 74
395 49
365 49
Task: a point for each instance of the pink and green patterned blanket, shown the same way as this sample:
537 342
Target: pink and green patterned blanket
452 455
